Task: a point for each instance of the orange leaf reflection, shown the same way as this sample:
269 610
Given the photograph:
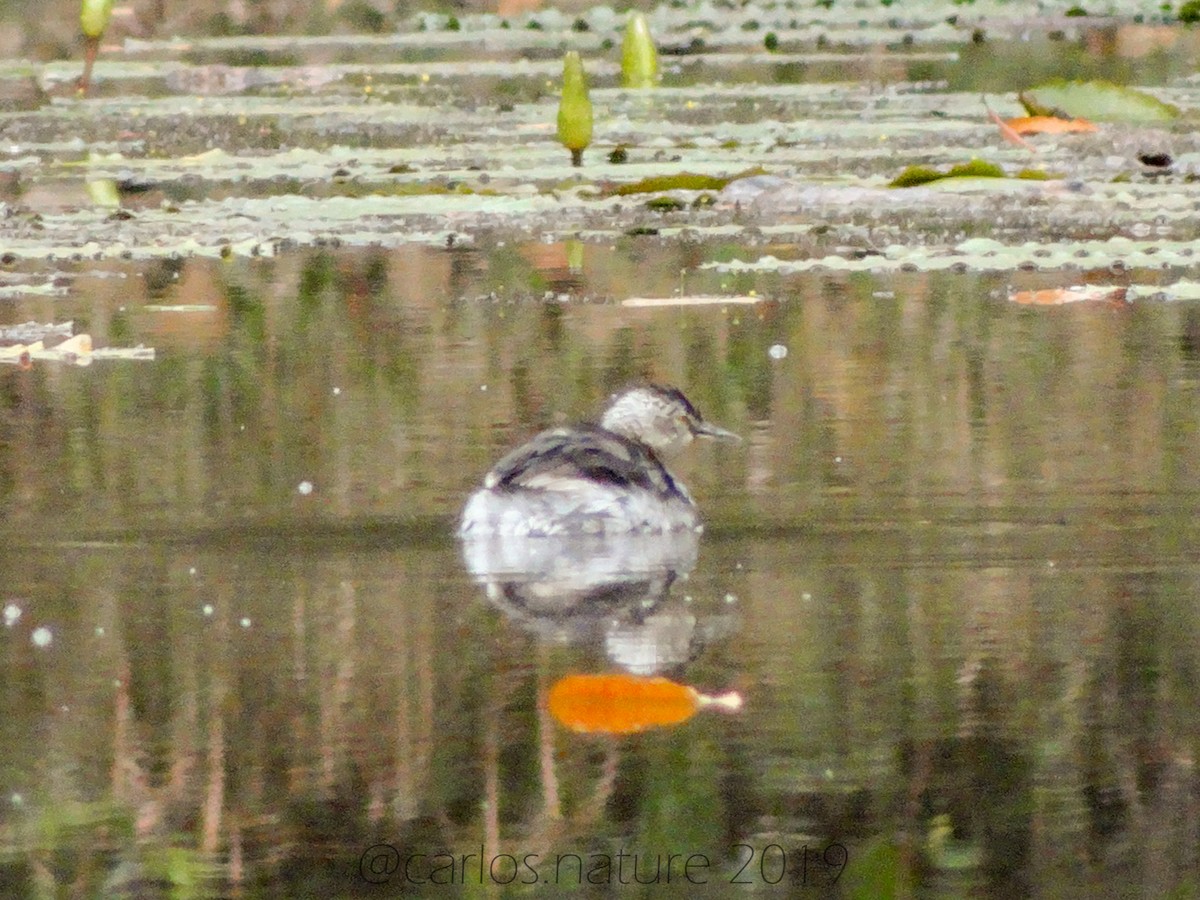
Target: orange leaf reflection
624 704
1075 294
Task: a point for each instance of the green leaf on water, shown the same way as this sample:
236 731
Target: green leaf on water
1100 101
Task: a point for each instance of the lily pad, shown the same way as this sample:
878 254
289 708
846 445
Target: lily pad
1101 101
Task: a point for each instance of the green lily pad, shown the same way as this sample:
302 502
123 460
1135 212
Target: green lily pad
1100 101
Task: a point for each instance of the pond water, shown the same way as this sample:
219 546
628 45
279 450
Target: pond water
951 570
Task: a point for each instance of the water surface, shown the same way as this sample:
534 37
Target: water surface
951 570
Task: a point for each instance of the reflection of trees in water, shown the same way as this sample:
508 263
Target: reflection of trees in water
950 449
274 712
386 380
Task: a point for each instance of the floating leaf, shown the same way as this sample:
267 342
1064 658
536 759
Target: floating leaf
575 108
1049 125
1075 294
639 59
624 704
1098 100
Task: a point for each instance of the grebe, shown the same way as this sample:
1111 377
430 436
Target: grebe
596 479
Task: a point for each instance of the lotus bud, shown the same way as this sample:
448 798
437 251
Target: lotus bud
639 59
574 109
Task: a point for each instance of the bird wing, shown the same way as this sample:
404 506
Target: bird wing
555 459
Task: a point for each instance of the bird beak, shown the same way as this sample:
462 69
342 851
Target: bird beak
708 430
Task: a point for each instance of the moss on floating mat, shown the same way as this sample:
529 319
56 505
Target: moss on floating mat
918 175
684 181
914 176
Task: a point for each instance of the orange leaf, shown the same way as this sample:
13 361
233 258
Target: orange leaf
1074 294
624 704
1049 125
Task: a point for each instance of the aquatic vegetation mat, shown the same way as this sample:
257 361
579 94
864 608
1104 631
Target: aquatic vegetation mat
444 133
